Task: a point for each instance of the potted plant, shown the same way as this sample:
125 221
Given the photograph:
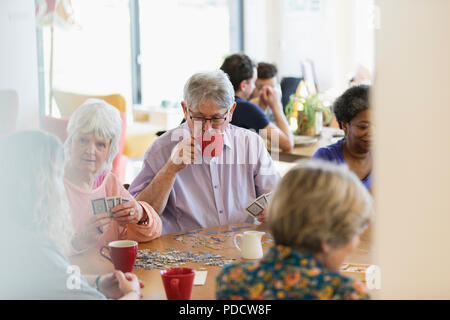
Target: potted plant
309 112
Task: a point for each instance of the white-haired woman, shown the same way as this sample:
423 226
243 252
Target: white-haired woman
316 215
38 227
92 143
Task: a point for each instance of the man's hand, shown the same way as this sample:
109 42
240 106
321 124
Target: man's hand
269 97
183 154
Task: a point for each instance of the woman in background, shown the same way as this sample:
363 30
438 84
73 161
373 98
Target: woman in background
316 215
352 110
37 227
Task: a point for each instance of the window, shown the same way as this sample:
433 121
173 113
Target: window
93 57
178 39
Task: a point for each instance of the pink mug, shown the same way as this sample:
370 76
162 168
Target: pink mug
212 144
122 254
178 283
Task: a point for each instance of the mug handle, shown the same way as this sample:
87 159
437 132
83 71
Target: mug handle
104 255
235 242
175 285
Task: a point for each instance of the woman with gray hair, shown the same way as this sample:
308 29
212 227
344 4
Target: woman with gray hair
92 143
37 227
316 215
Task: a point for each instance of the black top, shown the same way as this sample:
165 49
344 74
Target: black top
249 116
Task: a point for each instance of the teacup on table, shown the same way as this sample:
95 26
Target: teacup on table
122 254
178 283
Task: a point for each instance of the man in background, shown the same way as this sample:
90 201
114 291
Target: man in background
242 73
267 83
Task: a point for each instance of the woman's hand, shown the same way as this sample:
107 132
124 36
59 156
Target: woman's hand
116 285
91 231
130 212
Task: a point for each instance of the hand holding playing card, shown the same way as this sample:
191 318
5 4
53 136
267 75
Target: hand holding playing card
257 208
91 231
128 212
262 217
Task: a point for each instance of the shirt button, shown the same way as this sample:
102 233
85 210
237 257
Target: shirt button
215 187
220 211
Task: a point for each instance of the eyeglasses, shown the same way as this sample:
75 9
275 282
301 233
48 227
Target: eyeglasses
214 121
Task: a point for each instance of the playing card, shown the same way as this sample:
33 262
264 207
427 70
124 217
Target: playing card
111 202
268 196
254 209
118 200
99 205
125 200
200 278
261 200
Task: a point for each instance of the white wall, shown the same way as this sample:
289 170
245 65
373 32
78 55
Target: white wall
18 59
412 148
336 34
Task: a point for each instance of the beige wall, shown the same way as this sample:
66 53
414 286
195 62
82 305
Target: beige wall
412 114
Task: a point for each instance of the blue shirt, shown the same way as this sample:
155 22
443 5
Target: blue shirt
215 191
333 153
249 116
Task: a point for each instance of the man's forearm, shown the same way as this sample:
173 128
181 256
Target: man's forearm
157 192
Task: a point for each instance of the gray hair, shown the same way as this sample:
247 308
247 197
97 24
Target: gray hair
214 86
98 117
318 202
32 186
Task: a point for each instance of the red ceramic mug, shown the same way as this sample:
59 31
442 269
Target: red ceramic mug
178 283
212 144
122 254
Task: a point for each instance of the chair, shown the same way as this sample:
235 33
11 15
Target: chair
9 109
288 86
68 102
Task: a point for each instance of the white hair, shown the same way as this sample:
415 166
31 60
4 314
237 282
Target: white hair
33 189
214 86
100 118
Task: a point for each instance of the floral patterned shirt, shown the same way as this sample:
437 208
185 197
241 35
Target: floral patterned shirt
284 273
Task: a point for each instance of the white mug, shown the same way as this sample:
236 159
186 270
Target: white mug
251 244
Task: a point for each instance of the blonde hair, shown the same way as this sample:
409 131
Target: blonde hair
318 202
98 117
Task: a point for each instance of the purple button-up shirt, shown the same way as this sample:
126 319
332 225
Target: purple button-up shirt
215 191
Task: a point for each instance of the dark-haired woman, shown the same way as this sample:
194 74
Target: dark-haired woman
353 115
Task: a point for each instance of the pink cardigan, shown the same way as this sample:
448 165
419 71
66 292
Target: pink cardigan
81 211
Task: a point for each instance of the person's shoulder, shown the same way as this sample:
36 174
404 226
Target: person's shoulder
329 152
234 271
245 135
344 287
250 107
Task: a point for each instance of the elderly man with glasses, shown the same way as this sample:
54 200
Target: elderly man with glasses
192 188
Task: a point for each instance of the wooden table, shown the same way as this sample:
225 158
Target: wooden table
328 136
91 262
